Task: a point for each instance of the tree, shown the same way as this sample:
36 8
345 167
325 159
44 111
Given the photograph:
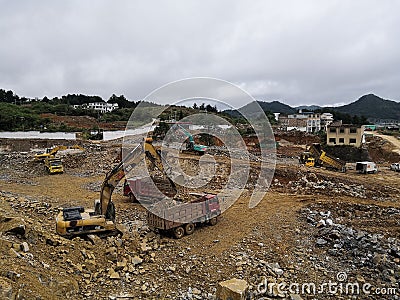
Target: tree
122 101
195 106
355 120
210 108
160 130
8 96
202 106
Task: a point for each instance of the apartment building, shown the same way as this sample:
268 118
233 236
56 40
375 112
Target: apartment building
344 134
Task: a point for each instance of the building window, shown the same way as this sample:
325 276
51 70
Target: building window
341 130
332 140
353 141
353 130
341 140
332 130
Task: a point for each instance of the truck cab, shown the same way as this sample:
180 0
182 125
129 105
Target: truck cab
53 165
310 162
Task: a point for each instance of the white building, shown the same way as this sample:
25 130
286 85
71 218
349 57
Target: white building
313 123
103 107
326 120
313 120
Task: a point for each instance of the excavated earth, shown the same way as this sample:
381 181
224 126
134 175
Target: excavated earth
313 226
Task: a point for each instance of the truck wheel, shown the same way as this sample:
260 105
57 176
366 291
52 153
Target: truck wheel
179 232
213 221
189 228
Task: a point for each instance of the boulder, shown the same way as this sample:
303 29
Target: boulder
233 289
11 225
24 247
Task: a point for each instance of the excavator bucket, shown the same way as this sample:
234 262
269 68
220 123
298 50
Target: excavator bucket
179 179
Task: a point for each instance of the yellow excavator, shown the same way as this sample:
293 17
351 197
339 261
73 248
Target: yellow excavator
51 152
75 221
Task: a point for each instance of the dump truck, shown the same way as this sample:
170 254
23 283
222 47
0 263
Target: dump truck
182 219
53 165
315 157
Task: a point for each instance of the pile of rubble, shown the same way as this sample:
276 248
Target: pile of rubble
307 182
367 251
95 160
18 166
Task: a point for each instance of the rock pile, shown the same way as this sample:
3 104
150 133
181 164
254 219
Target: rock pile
374 255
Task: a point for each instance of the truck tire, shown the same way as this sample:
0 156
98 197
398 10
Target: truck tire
179 232
189 228
213 221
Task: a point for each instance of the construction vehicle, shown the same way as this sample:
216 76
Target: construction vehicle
74 221
51 152
191 146
315 157
183 218
53 165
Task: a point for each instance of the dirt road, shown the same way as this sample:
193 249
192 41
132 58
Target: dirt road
395 141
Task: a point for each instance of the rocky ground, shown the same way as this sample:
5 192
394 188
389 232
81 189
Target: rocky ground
338 231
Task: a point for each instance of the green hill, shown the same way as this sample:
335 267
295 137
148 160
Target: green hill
276 106
372 107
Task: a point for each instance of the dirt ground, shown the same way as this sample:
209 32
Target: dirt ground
311 226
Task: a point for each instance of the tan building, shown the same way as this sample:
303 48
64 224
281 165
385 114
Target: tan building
344 134
289 124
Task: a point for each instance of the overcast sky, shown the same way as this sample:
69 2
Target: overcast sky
298 52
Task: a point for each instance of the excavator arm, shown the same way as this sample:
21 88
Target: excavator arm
113 178
191 146
129 162
188 135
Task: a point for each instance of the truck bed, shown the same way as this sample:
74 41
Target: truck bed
199 211
332 162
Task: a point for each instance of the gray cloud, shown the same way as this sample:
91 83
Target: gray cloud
299 52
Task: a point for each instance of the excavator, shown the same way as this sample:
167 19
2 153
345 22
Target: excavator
191 146
51 152
77 220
